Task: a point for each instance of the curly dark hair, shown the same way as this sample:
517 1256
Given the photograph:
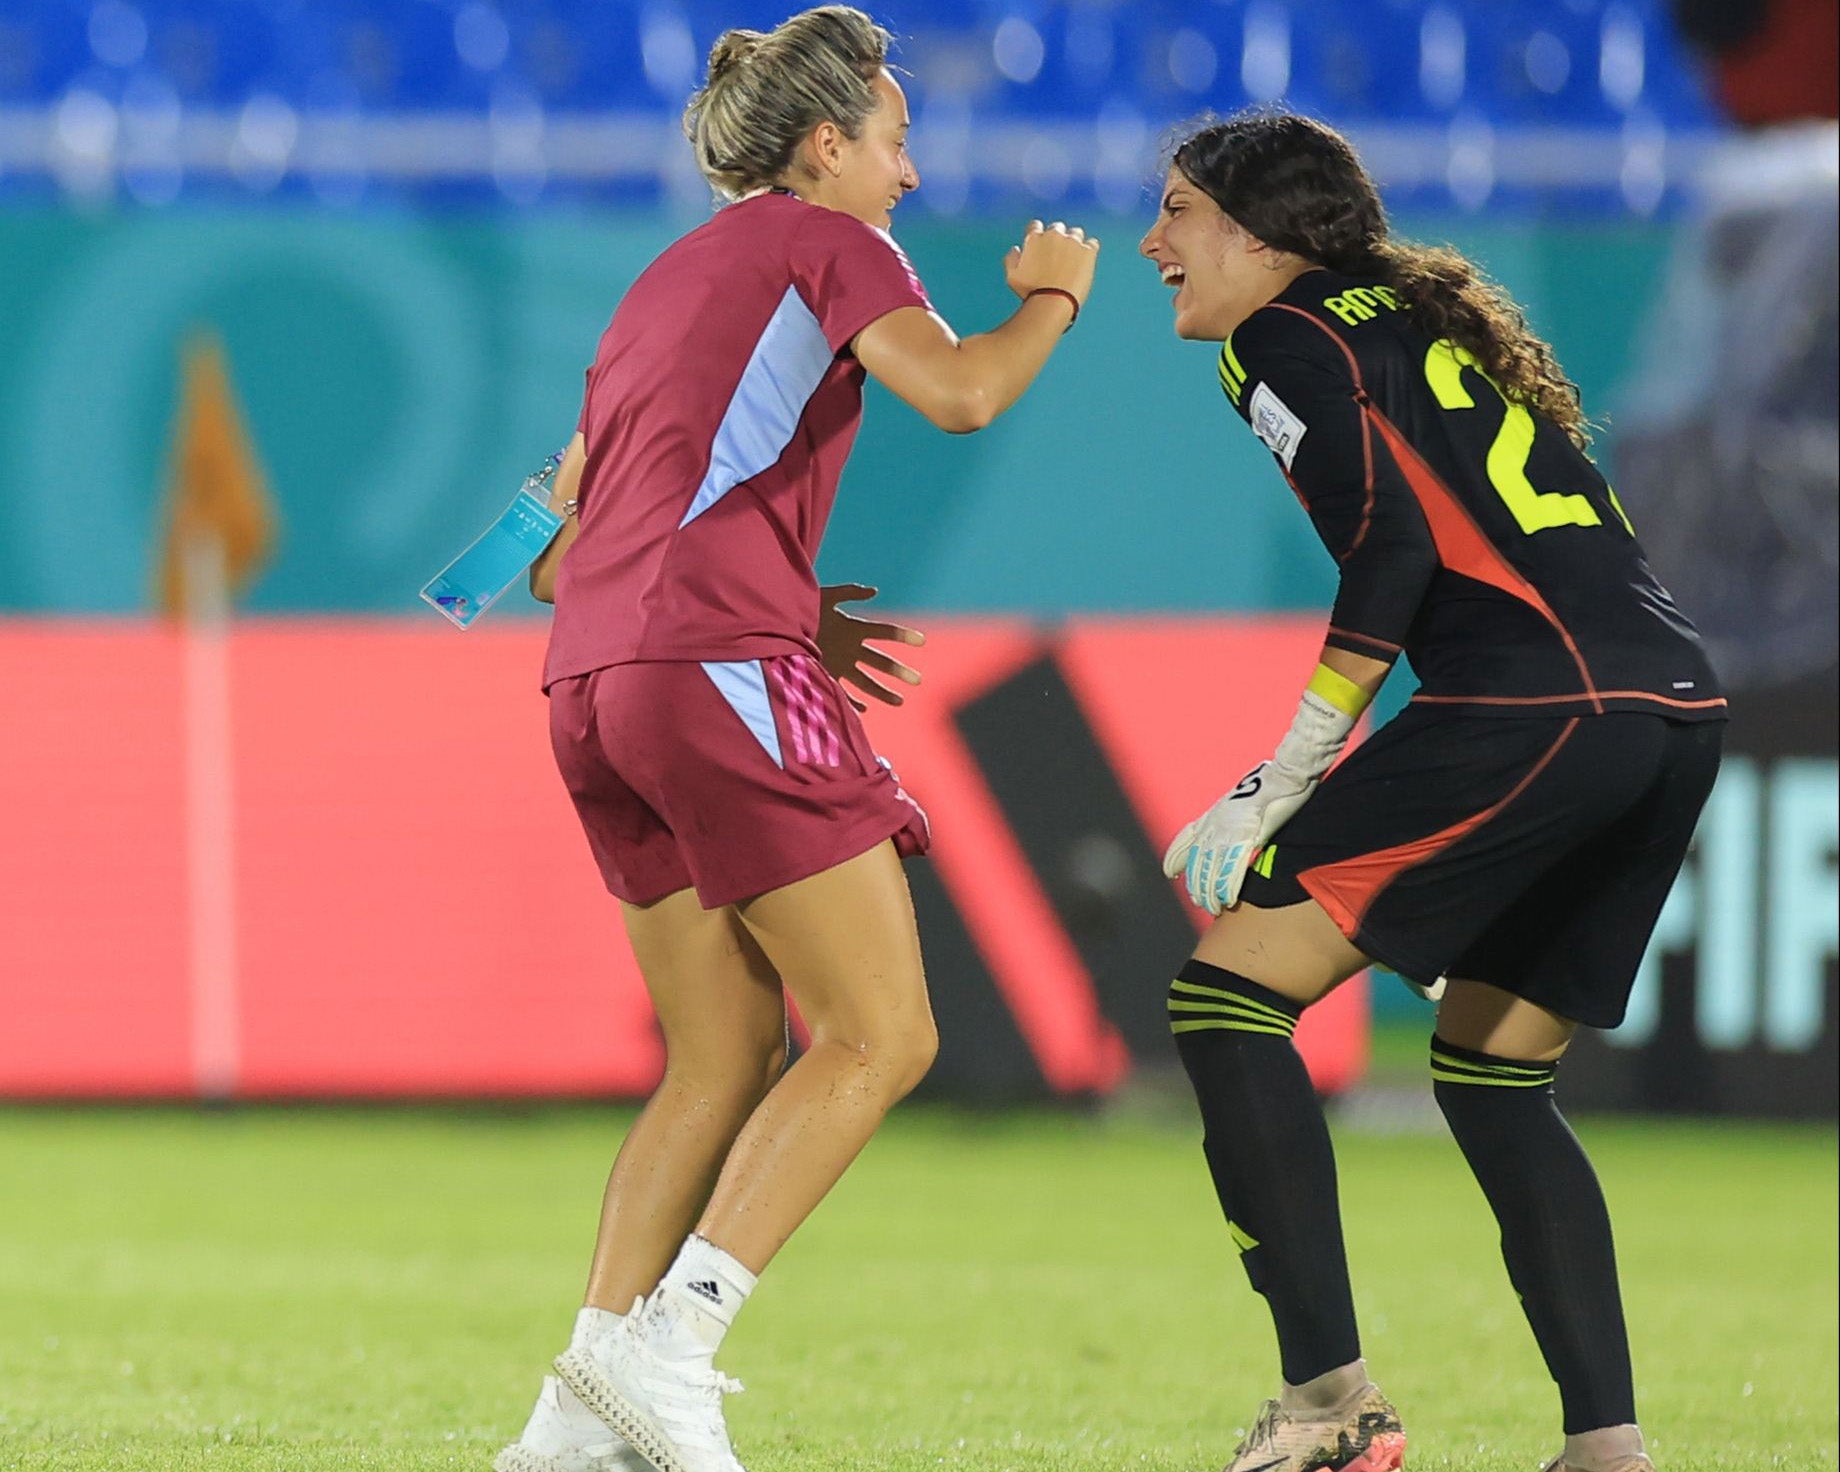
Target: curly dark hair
1297 185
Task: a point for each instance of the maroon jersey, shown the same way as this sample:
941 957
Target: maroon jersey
720 409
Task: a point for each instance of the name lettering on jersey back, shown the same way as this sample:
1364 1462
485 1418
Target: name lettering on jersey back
1361 304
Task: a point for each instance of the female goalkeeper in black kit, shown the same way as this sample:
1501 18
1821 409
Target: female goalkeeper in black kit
1515 830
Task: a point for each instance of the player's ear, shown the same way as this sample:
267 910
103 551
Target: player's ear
825 148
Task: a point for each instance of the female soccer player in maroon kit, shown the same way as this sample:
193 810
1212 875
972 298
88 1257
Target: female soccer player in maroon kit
1516 829
728 792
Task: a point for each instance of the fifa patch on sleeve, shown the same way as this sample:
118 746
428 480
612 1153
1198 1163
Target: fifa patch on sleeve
1273 422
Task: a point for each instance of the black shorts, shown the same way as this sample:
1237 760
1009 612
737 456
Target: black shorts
1532 853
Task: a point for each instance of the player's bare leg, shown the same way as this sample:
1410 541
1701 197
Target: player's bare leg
1493 1061
1473 1014
722 1014
723 1017
1296 951
1232 1009
844 944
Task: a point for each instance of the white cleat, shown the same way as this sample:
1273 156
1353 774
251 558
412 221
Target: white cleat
670 1413
563 1435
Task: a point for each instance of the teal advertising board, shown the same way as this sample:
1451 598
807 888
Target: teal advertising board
399 374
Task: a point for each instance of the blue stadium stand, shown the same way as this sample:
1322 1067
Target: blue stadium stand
1574 105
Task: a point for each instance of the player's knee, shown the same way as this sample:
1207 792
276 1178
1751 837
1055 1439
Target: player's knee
1207 1002
893 1054
903 1056
1458 1068
773 1063
922 1048
1485 1097
736 1071
764 1068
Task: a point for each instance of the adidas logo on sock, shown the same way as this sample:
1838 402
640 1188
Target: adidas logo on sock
706 1288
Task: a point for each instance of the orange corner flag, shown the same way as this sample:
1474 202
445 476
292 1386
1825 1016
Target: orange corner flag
219 521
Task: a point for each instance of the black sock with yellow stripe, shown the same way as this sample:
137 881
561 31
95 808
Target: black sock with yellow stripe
1555 1228
1268 1150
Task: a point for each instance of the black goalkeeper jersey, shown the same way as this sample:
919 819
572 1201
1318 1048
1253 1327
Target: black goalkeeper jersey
1472 534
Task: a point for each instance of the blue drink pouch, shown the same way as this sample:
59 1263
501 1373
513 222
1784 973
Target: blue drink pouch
482 574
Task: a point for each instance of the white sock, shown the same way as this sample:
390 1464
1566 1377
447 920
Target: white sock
697 1302
591 1323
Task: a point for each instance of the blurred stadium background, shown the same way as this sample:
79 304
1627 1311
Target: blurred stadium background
296 293
292 296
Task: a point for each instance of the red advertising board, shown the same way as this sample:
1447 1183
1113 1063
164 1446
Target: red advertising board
378 888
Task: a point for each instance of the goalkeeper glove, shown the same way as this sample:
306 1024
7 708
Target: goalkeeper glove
1211 855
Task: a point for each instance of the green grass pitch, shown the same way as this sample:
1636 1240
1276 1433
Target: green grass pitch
1048 1293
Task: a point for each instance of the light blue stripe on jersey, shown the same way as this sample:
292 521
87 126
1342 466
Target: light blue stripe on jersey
743 684
788 364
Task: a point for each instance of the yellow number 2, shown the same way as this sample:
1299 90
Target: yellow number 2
1535 511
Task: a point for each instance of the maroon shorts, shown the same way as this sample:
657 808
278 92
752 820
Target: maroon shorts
736 777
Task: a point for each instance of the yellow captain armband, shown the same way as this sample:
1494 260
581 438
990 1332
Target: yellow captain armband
1340 691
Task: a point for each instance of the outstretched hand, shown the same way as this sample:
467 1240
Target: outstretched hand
843 645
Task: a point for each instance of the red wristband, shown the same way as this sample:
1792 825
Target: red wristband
1072 301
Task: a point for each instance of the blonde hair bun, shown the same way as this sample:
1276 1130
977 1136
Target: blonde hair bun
731 49
746 122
